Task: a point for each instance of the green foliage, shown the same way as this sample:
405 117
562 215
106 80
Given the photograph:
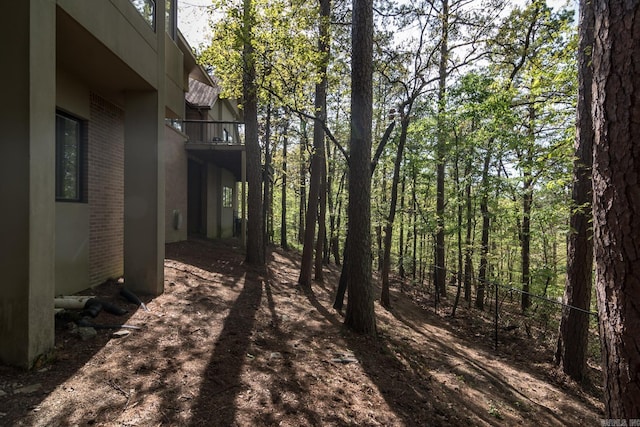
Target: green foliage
284 39
510 96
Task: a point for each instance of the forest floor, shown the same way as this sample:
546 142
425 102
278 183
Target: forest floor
229 345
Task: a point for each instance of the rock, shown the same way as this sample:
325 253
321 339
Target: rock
28 389
344 360
275 356
87 333
2 393
121 333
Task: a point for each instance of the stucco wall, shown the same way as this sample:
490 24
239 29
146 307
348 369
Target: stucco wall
174 93
27 172
72 247
119 26
72 219
176 185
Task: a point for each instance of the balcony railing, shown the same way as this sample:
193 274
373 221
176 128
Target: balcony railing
214 132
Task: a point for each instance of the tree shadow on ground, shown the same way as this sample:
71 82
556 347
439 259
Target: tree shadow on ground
221 380
231 345
486 363
421 397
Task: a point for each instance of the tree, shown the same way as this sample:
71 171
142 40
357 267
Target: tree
440 268
262 52
360 315
571 350
616 201
283 201
255 232
318 157
535 49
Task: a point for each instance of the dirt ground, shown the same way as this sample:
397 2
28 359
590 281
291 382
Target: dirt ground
227 345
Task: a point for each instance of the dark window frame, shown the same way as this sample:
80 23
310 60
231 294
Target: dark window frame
80 193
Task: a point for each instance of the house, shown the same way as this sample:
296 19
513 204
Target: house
205 176
89 87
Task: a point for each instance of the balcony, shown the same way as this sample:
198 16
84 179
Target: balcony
218 142
214 132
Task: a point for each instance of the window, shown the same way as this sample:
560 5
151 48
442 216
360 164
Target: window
69 158
225 135
171 22
227 197
147 9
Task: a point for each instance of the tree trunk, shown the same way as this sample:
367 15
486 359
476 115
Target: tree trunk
283 218
302 181
388 231
266 179
414 221
335 236
379 245
343 283
440 268
459 202
486 223
402 254
527 203
317 158
360 315
468 251
571 351
616 201
255 232
321 112
525 241
322 224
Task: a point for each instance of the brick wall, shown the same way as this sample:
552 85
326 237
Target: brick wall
105 191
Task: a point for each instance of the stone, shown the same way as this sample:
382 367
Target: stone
87 333
28 389
121 333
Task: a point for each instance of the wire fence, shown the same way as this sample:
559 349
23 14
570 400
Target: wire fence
502 303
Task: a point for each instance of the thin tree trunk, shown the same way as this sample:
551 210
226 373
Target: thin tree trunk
486 223
335 239
440 268
414 221
322 226
402 254
283 214
318 157
331 202
266 179
459 231
302 182
525 230
468 251
343 283
386 266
